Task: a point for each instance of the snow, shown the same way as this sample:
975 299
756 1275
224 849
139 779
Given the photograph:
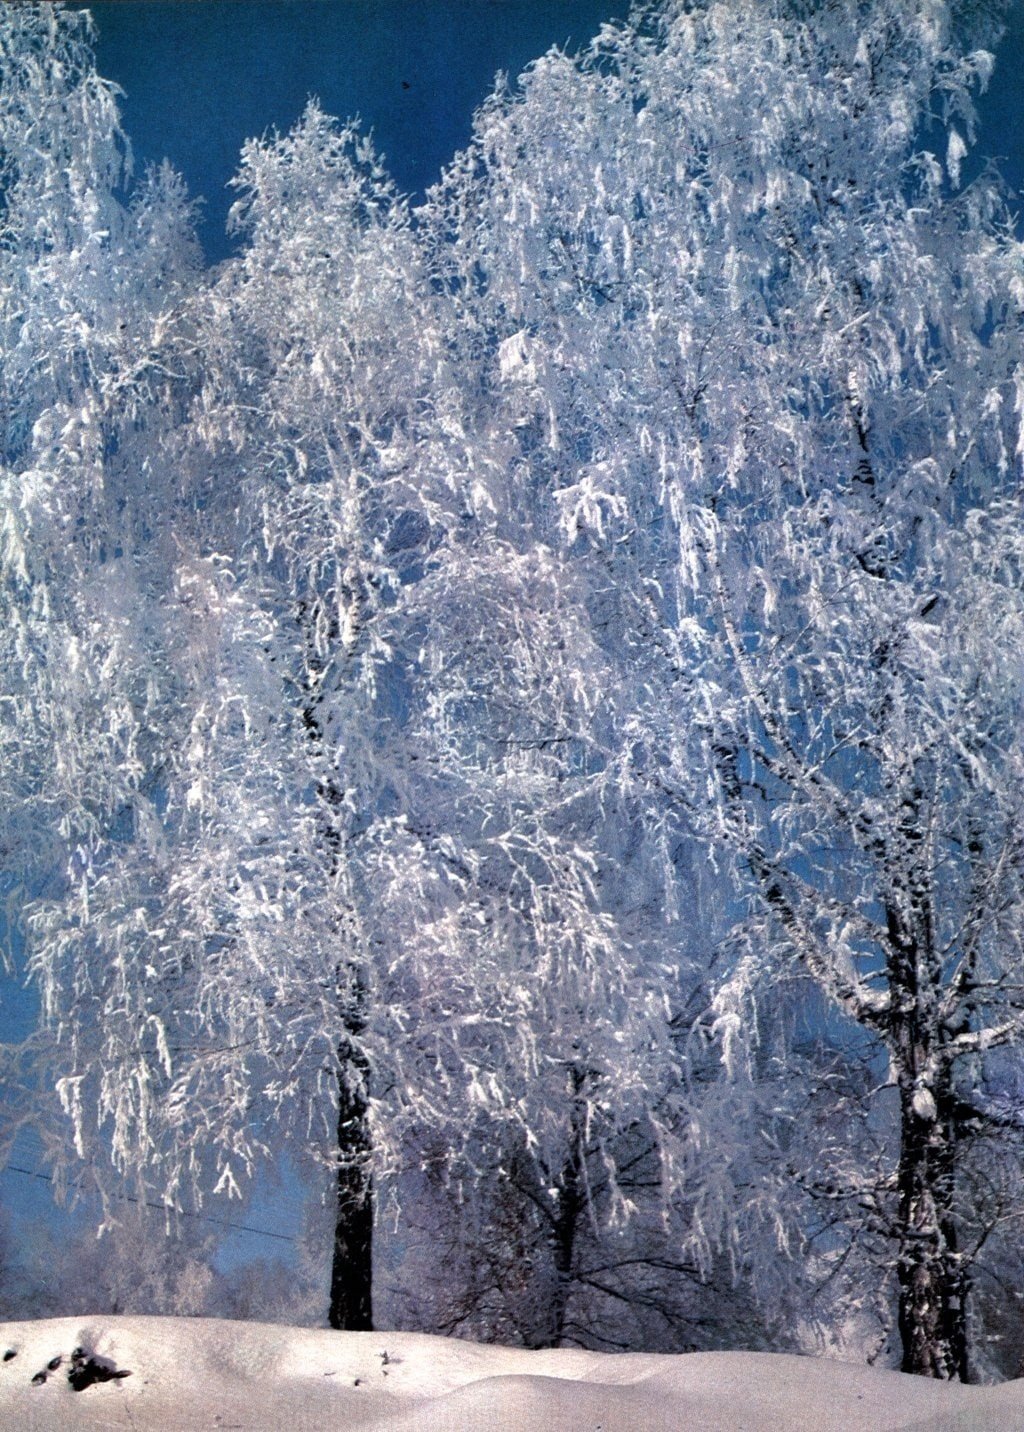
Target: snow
211 1373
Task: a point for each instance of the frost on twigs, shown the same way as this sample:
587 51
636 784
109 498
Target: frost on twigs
526 689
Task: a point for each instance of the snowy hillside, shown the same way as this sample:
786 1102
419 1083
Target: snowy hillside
170 1373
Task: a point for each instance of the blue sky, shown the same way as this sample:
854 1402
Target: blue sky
201 76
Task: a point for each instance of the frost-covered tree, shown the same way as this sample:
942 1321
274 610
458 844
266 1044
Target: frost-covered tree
764 355
292 920
89 285
449 861
92 284
326 408
468 667
204 972
515 754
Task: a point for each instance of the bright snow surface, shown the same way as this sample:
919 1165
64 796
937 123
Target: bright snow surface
213 1374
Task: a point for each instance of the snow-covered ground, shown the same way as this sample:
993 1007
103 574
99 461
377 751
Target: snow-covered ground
181 1373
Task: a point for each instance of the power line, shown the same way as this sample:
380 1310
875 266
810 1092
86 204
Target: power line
161 1208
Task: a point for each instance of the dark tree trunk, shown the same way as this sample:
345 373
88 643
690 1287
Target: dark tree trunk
931 1274
351 1306
565 1229
569 1208
351 1292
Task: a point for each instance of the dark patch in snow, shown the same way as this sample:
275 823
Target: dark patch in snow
11 1352
88 1368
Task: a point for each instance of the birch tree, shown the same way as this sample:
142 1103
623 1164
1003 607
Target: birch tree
274 930
560 632
498 992
91 312
766 352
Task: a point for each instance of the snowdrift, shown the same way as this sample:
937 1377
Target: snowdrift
162 1374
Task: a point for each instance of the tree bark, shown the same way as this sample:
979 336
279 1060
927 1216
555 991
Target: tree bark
570 1202
931 1276
351 1300
351 1292
932 1314
566 1225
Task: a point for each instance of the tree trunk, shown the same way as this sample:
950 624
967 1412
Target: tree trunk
351 1306
932 1279
931 1275
351 1293
566 1226
570 1201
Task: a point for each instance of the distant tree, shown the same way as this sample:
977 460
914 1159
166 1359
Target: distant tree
517 1272
142 1266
